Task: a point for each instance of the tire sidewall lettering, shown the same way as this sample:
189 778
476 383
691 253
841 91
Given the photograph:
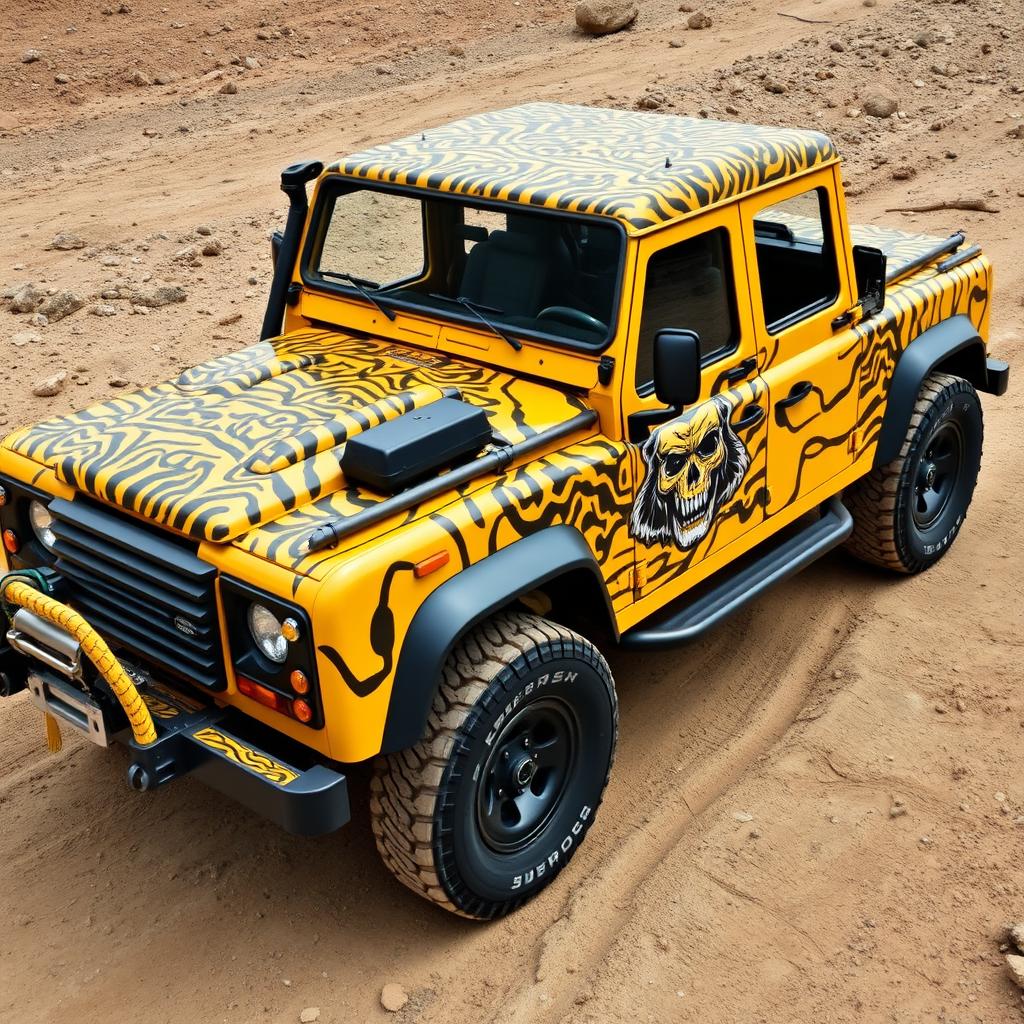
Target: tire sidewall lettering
532 687
553 858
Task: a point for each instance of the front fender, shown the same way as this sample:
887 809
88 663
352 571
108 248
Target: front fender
463 601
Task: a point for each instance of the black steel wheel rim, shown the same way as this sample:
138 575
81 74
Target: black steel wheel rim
526 775
938 471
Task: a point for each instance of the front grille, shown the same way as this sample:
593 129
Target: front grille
143 590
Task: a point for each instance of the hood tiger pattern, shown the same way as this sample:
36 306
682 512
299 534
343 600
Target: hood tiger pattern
248 438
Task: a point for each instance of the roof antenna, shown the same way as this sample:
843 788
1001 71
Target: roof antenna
668 162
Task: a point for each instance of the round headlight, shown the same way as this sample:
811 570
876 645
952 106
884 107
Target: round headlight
42 524
266 631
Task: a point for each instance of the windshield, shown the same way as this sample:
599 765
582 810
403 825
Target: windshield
507 271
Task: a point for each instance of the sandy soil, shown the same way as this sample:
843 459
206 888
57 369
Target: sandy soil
747 865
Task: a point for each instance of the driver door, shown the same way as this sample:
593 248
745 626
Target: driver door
700 476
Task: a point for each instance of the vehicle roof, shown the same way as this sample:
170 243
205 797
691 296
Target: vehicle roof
640 168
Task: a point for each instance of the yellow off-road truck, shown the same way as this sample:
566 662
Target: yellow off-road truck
531 382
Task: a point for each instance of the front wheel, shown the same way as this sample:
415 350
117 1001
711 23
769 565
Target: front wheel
496 798
907 514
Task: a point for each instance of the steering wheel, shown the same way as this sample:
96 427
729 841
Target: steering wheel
572 317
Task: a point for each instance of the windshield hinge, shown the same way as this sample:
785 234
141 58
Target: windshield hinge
604 370
294 291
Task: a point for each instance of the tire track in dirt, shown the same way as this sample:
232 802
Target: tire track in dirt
728 710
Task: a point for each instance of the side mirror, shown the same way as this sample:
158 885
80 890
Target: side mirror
677 367
869 265
276 241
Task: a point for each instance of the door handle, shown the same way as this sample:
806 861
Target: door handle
741 370
751 415
797 393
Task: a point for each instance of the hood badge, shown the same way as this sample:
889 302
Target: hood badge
183 625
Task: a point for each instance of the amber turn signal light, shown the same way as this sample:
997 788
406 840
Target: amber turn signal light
302 711
11 542
299 681
263 694
430 564
3 497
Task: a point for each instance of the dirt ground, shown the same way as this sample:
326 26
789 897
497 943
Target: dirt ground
752 861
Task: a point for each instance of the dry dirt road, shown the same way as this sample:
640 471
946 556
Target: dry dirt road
746 866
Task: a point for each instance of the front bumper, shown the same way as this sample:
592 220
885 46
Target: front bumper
211 743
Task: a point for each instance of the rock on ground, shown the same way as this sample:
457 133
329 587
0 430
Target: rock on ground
65 240
1015 965
26 299
309 1015
158 295
63 304
880 104
599 17
1017 935
698 20
50 386
22 338
393 997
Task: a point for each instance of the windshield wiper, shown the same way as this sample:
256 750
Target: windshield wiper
478 310
361 285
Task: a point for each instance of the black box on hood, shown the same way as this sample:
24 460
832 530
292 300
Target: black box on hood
400 452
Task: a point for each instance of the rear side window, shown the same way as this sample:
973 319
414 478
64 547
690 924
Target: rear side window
796 259
689 286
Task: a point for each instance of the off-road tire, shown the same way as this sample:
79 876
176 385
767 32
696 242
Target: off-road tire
886 530
427 803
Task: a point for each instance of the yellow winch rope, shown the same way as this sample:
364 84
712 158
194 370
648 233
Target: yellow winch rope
95 649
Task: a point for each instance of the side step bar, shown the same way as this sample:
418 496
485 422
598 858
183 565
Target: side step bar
697 616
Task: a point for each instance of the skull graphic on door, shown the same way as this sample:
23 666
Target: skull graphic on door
694 464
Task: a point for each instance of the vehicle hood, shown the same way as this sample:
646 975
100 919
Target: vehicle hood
246 439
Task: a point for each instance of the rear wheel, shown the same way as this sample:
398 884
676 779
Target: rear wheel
496 798
907 513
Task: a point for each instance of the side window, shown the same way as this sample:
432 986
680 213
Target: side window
796 259
689 286
377 236
479 223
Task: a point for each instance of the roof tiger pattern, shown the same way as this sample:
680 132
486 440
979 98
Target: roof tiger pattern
639 168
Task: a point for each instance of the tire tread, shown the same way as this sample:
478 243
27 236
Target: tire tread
405 786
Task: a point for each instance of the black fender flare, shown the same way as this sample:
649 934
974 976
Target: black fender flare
953 345
460 603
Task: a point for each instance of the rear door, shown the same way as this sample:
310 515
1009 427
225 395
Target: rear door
799 284
700 475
